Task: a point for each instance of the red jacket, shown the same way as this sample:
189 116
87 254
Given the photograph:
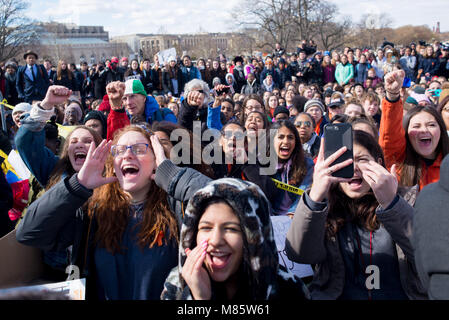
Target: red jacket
116 120
393 142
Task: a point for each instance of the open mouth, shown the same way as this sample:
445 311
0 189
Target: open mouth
218 260
284 151
130 171
80 157
252 127
425 142
355 181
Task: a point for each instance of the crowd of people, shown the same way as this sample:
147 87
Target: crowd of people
112 197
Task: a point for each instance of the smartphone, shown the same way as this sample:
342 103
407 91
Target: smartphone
435 92
337 136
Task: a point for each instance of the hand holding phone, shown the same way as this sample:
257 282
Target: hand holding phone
337 136
323 172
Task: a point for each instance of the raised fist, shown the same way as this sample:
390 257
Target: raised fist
55 95
394 81
115 91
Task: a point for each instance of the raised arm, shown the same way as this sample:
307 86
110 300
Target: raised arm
391 133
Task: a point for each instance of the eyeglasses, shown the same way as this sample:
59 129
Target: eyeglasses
200 91
238 136
306 124
137 149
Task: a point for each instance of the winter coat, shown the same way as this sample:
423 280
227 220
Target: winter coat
282 196
361 72
251 88
167 82
430 236
58 220
329 74
239 76
65 81
430 65
344 73
263 277
188 74
308 243
408 64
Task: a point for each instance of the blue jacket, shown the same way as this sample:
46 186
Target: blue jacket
294 198
361 72
186 75
30 143
154 113
29 89
430 65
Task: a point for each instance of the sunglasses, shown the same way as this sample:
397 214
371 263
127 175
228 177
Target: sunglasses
306 124
238 136
137 149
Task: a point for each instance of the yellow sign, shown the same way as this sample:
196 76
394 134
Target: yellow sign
287 187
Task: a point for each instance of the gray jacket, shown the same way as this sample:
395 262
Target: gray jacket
180 183
307 243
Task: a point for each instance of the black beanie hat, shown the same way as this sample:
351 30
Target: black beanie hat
280 109
98 115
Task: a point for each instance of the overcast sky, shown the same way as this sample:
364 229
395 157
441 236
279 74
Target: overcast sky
189 16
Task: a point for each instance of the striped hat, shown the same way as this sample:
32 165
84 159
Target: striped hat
134 86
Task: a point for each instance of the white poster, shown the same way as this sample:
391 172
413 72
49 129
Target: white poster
281 224
75 289
19 166
165 55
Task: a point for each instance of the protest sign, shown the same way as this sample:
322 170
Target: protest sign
74 289
165 55
281 224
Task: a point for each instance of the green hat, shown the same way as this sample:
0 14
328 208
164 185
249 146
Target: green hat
134 86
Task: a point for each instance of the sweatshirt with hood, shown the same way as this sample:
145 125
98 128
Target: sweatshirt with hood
263 278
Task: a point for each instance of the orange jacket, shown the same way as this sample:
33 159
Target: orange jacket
392 140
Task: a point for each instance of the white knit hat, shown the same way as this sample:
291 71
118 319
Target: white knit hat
22 107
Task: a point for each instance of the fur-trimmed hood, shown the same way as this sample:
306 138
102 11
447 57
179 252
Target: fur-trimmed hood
260 257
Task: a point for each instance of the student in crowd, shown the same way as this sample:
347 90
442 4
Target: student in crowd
130 233
316 109
65 77
293 168
305 125
345 226
419 146
218 252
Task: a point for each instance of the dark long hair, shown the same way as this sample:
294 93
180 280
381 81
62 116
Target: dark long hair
299 167
361 211
411 170
64 166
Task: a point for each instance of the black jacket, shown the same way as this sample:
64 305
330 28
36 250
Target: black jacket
72 84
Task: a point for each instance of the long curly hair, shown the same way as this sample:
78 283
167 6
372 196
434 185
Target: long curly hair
110 206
